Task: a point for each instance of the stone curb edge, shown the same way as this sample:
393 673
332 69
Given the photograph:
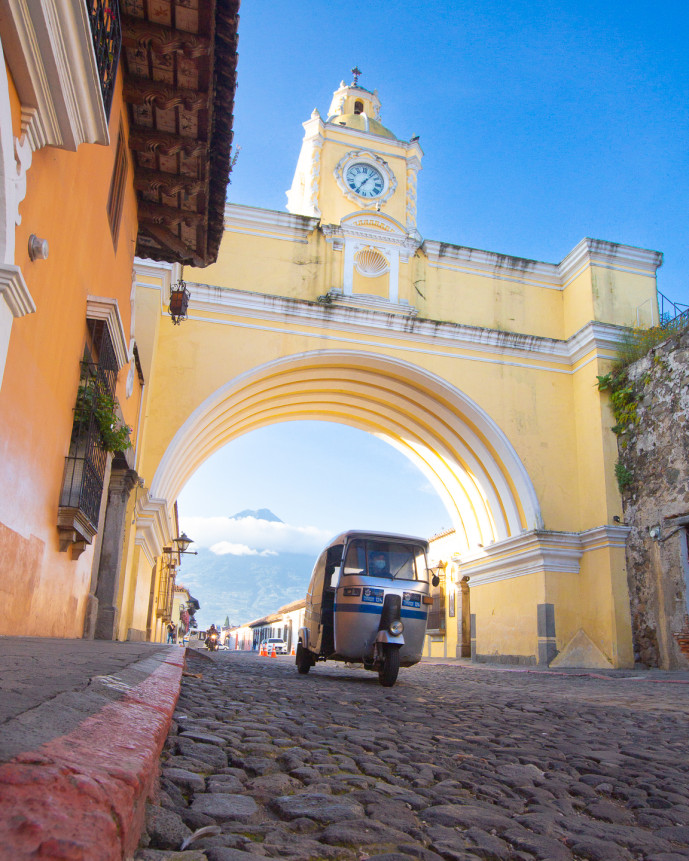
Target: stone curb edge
82 796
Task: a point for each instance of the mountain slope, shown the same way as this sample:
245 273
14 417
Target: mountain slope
258 514
244 587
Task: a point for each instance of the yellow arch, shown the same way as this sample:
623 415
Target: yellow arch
465 455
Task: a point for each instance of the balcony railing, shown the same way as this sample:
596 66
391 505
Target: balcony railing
82 486
107 39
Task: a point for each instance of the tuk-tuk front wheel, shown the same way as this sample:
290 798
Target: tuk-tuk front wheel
387 674
303 660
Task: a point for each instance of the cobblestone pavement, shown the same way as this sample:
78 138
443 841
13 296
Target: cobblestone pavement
452 763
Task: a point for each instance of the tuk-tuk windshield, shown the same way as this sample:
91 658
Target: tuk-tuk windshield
388 559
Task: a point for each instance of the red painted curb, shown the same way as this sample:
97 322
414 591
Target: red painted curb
81 797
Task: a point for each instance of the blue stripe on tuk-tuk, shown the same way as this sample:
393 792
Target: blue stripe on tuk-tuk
377 608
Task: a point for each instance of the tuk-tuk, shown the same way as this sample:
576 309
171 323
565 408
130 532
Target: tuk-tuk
367 603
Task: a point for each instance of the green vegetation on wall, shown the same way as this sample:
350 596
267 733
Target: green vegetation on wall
625 394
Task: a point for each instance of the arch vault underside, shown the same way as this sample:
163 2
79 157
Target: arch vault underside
464 454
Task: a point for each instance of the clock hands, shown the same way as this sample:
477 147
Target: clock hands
367 183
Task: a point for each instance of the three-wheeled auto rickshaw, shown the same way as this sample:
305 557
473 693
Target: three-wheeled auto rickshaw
367 603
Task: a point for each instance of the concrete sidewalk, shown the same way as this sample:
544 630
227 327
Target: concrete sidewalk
82 724
647 674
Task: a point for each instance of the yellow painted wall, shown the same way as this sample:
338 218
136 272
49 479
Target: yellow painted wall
506 616
489 302
43 590
379 286
605 612
274 267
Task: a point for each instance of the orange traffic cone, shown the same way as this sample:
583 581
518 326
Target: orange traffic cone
273 653
293 652
263 653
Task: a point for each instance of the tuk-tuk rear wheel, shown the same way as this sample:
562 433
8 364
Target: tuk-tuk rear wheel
303 660
387 674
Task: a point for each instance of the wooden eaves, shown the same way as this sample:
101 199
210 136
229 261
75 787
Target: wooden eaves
179 59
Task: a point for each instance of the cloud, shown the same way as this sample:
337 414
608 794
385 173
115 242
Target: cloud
250 536
225 548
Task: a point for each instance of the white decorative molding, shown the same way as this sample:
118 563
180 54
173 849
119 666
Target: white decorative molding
604 538
23 156
154 529
14 291
302 198
107 309
532 552
537 552
269 223
371 303
333 236
377 317
381 234
413 168
557 276
601 338
50 50
314 178
362 156
474 261
609 255
362 138
33 129
7 168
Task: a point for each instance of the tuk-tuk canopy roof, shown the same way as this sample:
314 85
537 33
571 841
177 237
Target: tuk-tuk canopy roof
343 537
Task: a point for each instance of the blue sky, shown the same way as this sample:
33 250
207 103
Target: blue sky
541 123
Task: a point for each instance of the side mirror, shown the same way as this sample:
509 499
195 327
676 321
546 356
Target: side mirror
435 580
334 557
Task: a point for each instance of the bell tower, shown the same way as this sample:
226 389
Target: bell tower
359 179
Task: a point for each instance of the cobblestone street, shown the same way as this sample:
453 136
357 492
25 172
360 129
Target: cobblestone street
452 763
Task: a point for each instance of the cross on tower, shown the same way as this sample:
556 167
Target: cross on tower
356 71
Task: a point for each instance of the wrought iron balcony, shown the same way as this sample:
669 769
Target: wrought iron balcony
104 16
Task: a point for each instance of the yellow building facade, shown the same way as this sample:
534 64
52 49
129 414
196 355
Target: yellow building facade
88 177
481 368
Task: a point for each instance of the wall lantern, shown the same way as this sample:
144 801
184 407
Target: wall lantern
183 543
180 549
436 571
179 302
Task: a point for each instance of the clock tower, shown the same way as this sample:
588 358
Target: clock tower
359 180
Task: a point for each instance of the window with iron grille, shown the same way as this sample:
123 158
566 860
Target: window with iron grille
117 187
104 16
82 486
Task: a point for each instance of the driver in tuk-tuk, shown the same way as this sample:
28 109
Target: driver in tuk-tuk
378 565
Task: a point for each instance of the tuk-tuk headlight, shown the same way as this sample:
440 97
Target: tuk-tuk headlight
396 627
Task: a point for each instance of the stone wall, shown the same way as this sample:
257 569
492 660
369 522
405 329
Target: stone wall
655 454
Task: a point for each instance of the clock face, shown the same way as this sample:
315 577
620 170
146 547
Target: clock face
365 180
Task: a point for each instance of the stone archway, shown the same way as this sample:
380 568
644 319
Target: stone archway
461 450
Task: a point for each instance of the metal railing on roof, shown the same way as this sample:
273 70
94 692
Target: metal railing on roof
673 315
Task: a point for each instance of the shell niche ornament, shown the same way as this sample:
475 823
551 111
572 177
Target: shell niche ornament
370 262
